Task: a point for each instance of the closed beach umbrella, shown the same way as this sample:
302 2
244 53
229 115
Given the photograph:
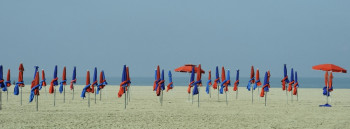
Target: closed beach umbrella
217 79
161 85
2 84
285 79
64 80
157 79
43 79
197 83
225 83
266 86
257 82
291 80
34 87
8 78
102 83
235 88
94 80
252 79
223 77
296 84
54 81
74 78
87 85
208 83
123 84
191 81
171 84
20 82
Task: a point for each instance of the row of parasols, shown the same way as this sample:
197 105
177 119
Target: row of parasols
159 86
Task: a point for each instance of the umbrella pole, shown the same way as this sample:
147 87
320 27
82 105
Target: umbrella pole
252 93
54 99
21 96
265 98
218 92
226 97
45 91
89 99
161 102
64 94
291 96
237 94
209 92
192 98
297 95
73 94
95 95
129 93
287 96
258 92
125 99
198 99
100 94
0 99
7 92
327 95
37 102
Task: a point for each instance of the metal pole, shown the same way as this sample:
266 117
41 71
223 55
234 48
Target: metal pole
192 98
73 94
95 95
209 92
0 99
287 96
21 96
37 102
237 94
125 98
226 97
291 96
218 91
129 90
297 95
7 95
89 99
198 99
161 102
265 98
54 99
64 94
252 92
100 94
327 95
258 92
45 91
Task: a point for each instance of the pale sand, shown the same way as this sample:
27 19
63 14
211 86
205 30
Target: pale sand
144 110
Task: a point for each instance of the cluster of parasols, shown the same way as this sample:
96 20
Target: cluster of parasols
159 83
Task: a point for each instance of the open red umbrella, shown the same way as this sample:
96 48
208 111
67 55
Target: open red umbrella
328 83
187 68
329 67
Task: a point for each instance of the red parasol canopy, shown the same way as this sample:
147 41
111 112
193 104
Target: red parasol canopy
35 82
20 75
8 78
43 77
199 74
64 75
252 74
187 68
329 67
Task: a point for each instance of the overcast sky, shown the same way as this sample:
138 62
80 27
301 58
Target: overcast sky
145 33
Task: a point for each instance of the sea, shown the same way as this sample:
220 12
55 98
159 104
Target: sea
306 82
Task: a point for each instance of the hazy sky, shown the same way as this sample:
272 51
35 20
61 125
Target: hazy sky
144 33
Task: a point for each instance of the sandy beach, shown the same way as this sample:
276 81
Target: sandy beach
145 111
